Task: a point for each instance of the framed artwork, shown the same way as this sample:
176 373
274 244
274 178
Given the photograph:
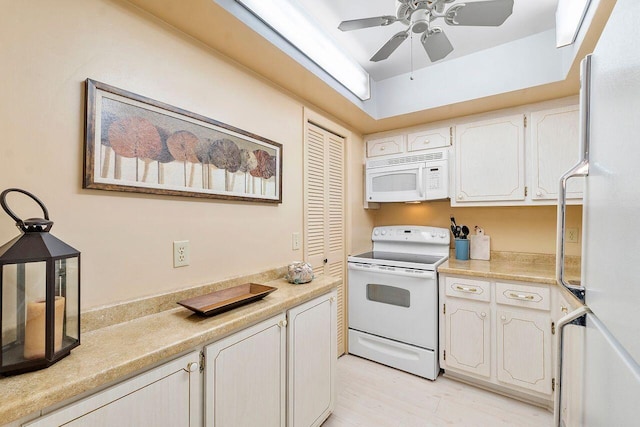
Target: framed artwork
137 144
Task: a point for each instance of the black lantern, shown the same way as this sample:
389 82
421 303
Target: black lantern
39 295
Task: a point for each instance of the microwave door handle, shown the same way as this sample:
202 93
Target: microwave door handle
420 182
580 169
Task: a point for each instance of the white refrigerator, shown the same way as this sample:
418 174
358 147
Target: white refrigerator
608 371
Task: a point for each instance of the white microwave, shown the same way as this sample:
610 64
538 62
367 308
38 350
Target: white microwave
408 178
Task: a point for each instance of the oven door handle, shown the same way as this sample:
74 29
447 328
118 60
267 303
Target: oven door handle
396 271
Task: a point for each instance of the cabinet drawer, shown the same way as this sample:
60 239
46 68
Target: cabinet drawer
517 295
433 138
382 146
479 290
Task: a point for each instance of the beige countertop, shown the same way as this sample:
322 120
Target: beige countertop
538 268
118 351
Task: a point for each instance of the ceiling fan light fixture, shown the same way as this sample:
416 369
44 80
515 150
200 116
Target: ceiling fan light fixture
417 15
420 21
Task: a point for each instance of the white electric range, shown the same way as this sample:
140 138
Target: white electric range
393 298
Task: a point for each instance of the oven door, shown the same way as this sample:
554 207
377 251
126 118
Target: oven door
395 303
395 183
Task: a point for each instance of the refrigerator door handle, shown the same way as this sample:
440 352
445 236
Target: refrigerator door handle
571 318
580 169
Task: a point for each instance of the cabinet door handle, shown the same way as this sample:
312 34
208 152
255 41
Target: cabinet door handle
192 366
426 141
503 318
521 296
282 323
466 289
383 148
332 299
483 314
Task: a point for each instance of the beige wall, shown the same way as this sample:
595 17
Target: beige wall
48 49
513 229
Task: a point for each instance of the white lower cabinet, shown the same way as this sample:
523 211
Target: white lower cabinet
503 341
245 377
275 373
169 395
245 373
468 336
312 355
523 344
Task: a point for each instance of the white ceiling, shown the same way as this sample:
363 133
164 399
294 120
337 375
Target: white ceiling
529 17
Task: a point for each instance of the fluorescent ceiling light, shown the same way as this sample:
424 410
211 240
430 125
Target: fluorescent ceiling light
292 23
569 16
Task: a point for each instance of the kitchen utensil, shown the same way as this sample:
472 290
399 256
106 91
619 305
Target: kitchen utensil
465 232
458 231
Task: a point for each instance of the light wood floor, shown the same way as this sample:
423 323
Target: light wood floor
373 395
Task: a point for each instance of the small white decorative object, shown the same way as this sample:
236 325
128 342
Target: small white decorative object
480 245
299 272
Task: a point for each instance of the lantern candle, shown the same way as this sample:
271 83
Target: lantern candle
35 330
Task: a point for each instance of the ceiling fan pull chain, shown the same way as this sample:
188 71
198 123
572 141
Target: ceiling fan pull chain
411 56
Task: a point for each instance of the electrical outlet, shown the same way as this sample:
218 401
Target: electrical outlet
181 253
572 235
295 241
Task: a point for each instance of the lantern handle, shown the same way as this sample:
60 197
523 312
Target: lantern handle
20 222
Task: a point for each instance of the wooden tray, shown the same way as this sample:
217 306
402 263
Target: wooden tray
226 299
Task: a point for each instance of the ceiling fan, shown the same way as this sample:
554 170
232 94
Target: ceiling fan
418 15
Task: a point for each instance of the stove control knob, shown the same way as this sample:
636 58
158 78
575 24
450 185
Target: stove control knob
433 234
383 232
443 235
376 232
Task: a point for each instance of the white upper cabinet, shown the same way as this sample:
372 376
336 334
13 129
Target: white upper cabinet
554 150
409 141
490 164
512 157
393 144
427 139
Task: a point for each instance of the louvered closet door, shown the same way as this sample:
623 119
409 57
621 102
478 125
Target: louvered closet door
324 212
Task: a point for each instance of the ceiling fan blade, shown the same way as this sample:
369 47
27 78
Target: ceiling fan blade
491 13
390 46
357 24
436 44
